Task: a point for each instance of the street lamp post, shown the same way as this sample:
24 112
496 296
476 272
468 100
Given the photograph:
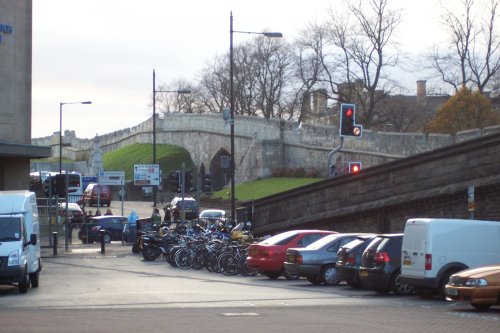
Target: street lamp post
180 91
231 75
67 229
60 128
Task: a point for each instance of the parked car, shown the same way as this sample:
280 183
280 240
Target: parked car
480 287
268 256
76 213
349 260
316 262
190 207
381 265
111 224
209 216
91 194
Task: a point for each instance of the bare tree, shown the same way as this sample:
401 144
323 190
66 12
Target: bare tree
354 50
475 55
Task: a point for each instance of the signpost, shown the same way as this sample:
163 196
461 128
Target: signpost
112 178
147 174
471 203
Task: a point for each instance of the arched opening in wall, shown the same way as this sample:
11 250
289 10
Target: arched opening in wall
219 169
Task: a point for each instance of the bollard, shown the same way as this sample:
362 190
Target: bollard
54 243
101 239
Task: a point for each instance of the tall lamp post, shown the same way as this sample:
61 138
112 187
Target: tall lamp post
231 75
60 128
181 91
66 230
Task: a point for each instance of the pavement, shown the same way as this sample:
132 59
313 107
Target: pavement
79 249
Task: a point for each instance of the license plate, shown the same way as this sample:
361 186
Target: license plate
406 262
363 273
452 291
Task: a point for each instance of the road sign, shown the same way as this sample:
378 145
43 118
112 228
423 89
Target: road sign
471 203
147 174
111 177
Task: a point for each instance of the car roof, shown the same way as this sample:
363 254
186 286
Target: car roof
103 217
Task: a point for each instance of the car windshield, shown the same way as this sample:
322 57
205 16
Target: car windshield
322 242
280 239
10 229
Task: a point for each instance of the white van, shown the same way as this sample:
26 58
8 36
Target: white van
19 229
434 249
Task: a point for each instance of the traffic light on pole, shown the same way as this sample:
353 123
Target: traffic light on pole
60 184
348 126
207 183
189 180
174 181
354 167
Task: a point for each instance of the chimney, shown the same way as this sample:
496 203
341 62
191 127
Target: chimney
421 92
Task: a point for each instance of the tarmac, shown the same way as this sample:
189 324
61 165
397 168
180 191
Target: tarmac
79 249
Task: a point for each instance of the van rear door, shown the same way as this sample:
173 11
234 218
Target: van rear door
413 259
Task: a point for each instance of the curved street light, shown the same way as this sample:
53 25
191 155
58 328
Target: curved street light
231 75
180 91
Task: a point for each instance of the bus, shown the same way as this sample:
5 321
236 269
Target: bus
39 181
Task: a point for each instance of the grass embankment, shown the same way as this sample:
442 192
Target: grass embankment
265 187
169 158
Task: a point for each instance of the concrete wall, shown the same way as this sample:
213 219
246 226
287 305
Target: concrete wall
15 71
262 145
382 198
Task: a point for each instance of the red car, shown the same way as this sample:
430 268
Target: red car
268 256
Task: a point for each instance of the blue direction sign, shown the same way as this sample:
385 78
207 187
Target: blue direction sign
147 174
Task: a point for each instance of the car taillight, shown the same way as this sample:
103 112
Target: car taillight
350 259
428 262
267 253
299 259
382 257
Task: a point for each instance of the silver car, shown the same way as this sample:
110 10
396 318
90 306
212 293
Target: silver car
317 261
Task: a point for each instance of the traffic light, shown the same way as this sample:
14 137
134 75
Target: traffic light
354 167
60 184
207 183
189 180
348 126
174 180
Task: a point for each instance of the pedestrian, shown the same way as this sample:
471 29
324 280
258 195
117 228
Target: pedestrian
167 217
132 218
156 218
97 213
108 212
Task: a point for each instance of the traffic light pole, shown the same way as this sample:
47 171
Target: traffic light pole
331 172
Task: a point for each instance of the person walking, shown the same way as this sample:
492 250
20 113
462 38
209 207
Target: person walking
156 218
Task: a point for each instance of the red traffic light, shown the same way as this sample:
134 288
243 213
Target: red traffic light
354 167
349 112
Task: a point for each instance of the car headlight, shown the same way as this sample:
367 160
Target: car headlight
476 283
14 258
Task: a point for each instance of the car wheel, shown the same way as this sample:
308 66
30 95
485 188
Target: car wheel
25 282
107 238
272 275
399 288
289 276
329 276
314 279
481 307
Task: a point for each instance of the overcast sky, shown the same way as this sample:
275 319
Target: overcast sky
105 50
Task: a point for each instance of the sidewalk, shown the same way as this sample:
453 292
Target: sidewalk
79 249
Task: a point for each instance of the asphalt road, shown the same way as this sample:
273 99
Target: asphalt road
82 290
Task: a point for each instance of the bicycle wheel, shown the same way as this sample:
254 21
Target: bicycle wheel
228 265
184 258
244 269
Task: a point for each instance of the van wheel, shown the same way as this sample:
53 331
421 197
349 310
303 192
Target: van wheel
443 282
481 307
34 279
24 283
